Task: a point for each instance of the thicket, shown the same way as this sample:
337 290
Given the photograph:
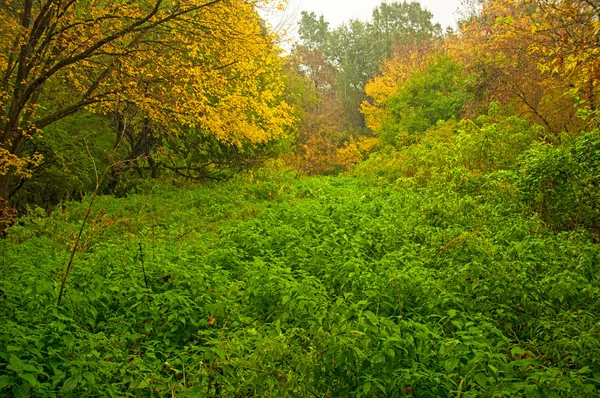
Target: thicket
283 287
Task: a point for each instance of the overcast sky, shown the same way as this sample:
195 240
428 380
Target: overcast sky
337 12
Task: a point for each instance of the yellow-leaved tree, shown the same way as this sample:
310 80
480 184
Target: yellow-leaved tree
204 64
567 45
532 56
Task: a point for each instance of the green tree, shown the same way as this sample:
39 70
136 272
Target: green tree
437 93
400 22
357 49
314 31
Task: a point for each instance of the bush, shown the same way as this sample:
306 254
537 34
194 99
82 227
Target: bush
347 288
461 155
561 183
437 93
67 170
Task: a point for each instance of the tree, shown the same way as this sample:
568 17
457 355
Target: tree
321 128
408 58
400 23
438 92
357 49
507 47
314 31
568 45
194 63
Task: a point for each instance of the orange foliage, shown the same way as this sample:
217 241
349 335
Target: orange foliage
568 45
355 151
322 131
503 47
541 59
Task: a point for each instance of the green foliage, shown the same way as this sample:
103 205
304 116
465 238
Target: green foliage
469 156
67 169
195 155
360 47
316 287
313 31
437 93
561 182
356 49
460 261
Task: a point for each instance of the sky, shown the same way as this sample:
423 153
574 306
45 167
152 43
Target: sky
337 12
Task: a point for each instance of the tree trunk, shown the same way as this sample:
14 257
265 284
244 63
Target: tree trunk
5 207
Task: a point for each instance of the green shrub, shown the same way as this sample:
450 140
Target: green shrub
332 287
437 93
465 155
67 169
561 183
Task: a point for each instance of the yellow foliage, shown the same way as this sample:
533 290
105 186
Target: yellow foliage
197 63
566 44
10 163
355 151
525 53
321 155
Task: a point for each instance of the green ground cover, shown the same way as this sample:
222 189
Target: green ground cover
324 287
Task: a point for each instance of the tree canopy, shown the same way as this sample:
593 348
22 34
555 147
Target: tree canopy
206 64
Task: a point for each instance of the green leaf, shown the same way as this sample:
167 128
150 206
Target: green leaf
585 369
372 318
481 379
15 363
367 387
458 324
220 352
57 378
30 368
6 381
142 384
70 384
451 364
31 379
89 376
517 351
23 391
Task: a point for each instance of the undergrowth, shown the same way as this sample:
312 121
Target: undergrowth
324 287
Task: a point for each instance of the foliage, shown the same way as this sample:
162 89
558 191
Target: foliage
357 49
321 129
326 287
437 93
324 142
159 64
561 182
337 64
567 45
407 59
515 50
459 261
70 148
463 154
